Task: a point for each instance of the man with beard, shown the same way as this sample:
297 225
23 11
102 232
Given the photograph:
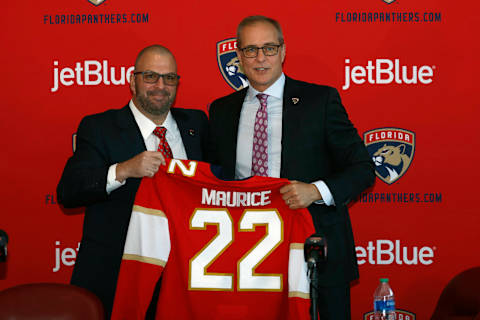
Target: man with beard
115 149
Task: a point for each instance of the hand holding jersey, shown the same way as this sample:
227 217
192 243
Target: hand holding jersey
299 195
144 164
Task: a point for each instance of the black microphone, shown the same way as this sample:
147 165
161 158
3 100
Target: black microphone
315 250
3 245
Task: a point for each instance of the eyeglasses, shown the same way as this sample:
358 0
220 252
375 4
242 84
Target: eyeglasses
170 79
268 50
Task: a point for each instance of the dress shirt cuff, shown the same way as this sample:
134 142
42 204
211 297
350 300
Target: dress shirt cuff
327 197
112 183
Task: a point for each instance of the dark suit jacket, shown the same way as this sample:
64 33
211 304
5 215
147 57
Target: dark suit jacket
318 143
102 140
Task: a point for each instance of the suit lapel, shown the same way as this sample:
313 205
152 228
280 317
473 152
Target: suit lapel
292 103
129 132
230 148
188 134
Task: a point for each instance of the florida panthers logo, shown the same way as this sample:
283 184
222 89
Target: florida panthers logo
391 150
229 64
96 2
400 314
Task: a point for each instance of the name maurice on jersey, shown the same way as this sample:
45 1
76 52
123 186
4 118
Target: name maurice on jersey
220 198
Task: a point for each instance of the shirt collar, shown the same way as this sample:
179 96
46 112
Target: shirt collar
275 90
145 124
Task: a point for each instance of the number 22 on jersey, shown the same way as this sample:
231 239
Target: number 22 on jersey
248 280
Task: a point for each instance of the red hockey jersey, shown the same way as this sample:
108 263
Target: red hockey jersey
224 249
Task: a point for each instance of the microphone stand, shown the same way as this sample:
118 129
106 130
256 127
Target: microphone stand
315 252
313 271
3 246
3 254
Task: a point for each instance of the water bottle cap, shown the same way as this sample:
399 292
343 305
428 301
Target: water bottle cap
383 280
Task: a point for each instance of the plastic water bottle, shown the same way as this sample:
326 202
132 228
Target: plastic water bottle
384 301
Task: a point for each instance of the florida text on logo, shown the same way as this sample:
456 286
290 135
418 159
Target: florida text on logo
399 314
229 64
392 151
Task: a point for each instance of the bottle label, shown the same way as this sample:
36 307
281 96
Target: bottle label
387 306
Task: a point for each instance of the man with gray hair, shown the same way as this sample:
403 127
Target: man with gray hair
115 149
281 127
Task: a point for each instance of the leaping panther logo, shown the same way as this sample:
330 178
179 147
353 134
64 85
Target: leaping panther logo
393 159
229 64
234 69
391 150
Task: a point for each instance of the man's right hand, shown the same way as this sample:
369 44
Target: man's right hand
144 164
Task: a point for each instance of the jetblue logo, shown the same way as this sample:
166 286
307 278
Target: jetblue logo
89 73
229 64
387 71
64 256
391 150
388 252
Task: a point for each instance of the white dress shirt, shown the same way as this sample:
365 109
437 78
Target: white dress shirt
243 167
147 127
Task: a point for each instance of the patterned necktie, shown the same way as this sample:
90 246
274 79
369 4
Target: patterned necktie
260 139
163 146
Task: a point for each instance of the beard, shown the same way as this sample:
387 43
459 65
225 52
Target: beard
151 105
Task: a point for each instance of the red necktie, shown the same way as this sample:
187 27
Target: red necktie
260 139
163 146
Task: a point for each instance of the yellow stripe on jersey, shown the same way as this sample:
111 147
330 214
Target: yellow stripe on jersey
298 294
154 212
149 260
296 245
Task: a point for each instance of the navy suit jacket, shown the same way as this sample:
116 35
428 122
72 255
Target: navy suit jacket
102 140
318 143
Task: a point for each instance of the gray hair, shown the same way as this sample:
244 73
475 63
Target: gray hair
251 20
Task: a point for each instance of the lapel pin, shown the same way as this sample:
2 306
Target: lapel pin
295 100
191 132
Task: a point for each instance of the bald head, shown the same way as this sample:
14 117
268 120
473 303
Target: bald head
153 99
155 49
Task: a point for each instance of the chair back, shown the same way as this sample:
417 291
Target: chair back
460 299
42 301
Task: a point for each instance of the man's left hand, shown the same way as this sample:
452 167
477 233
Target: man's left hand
300 194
